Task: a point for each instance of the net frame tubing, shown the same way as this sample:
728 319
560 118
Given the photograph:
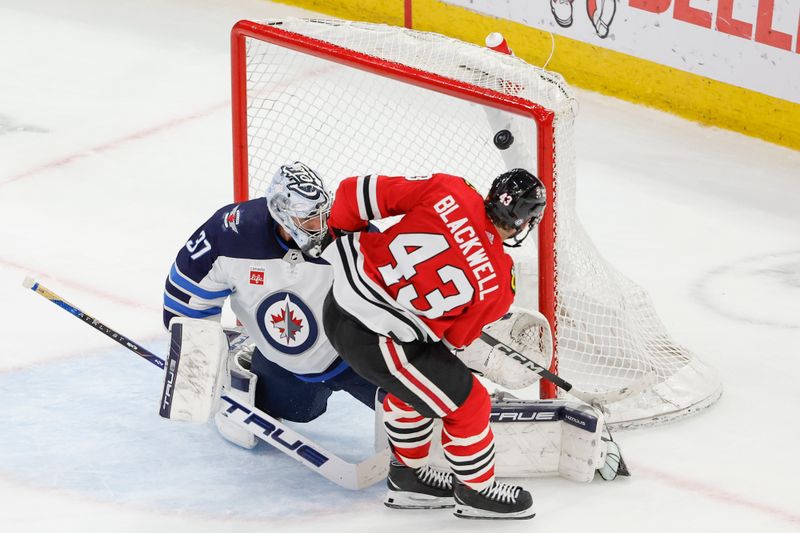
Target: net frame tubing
542 117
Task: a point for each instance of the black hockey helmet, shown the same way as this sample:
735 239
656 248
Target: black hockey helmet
516 201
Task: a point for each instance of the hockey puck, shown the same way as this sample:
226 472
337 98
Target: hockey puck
503 139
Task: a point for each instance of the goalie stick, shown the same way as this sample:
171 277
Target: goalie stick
351 476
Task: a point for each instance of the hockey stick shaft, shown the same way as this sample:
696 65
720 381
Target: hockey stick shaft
263 426
529 363
39 289
590 398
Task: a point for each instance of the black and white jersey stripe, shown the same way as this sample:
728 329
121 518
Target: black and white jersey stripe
367 198
380 297
369 302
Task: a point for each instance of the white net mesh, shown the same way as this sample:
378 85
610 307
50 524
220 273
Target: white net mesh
344 121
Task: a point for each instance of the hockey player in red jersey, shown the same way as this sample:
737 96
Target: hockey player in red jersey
403 299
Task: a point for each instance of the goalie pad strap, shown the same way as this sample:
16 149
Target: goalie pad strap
240 384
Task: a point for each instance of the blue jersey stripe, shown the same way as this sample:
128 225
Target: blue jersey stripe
190 286
176 306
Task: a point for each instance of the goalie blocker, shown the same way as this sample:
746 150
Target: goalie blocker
204 362
194 370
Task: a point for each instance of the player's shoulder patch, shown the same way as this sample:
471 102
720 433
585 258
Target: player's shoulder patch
243 230
232 218
243 217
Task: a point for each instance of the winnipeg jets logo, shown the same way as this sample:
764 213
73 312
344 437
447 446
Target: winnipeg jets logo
305 182
310 190
231 219
287 323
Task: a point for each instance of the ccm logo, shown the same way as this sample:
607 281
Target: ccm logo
518 357
256 277
269 430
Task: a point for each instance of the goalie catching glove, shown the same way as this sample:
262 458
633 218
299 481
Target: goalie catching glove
527 332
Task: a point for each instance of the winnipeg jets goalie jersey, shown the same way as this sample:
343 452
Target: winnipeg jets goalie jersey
275 291
440 273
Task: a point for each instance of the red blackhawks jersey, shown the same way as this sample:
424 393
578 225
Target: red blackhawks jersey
440 273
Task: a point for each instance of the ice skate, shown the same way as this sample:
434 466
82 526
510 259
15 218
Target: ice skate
418 488
499 501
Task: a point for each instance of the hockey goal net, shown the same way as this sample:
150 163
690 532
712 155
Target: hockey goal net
352 98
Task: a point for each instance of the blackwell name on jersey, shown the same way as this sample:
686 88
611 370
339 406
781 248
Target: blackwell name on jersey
467 239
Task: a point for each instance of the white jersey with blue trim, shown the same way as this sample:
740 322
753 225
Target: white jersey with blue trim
275 291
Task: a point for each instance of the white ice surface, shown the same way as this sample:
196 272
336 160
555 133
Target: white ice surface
115 145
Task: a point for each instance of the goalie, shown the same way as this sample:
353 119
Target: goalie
263 255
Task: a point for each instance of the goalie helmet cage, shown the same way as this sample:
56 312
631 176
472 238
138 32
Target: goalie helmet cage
352 98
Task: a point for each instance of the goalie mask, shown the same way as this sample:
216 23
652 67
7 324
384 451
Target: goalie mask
516 202
299 202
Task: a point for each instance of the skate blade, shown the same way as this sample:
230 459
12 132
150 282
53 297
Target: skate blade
410 500
470 513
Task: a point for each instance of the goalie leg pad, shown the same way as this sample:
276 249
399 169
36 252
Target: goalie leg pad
543 437
194 369
240 384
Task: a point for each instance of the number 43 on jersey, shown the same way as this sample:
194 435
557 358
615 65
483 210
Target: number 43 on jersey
412 249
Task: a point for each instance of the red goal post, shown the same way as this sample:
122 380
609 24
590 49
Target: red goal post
356 98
